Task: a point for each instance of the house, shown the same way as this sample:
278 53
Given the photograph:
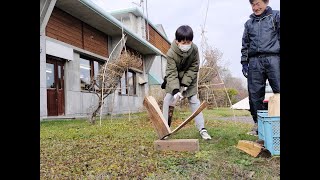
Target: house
156 35
76 38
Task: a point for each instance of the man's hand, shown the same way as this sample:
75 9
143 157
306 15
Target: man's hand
245 69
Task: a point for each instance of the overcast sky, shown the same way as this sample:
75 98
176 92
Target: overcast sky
224 23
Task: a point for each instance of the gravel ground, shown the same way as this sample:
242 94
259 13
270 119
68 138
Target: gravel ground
245 119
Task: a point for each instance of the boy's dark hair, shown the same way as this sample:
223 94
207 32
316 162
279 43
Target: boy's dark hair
184 32
265 1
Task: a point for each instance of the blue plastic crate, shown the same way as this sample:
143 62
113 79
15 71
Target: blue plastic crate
269 131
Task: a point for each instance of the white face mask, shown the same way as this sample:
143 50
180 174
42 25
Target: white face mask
184 48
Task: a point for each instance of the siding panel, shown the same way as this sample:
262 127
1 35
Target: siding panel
95 41
64 27
158 41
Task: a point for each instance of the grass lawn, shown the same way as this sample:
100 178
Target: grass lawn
123 149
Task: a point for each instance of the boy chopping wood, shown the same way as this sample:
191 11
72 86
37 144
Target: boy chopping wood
181 77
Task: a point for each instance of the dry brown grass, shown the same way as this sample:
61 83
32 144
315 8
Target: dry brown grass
122 149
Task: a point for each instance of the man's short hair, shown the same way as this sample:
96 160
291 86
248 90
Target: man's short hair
184 32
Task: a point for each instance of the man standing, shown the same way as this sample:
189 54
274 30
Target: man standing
261 54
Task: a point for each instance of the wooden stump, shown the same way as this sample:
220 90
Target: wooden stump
191 145
274 105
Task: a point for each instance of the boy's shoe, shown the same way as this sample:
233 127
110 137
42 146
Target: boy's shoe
204 134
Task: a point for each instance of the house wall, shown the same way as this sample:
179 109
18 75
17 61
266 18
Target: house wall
119 104
67 31
139 25
43 89
155 39
73 93
79 103
135 24
158 68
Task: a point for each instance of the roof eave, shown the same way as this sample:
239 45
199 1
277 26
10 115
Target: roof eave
96 17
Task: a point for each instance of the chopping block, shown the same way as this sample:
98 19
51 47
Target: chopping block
191 145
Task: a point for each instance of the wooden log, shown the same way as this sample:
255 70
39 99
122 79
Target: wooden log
250 147
156 116
274 105
190 145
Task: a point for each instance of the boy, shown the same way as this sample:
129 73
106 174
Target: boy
181 76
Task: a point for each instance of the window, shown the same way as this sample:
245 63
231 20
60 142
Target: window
128 83
89 70
50 75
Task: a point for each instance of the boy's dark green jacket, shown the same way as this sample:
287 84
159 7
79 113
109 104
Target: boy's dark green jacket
182 68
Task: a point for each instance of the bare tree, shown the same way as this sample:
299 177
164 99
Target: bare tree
109 78
208 69
208 75
235 83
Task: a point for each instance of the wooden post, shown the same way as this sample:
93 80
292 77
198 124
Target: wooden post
274 105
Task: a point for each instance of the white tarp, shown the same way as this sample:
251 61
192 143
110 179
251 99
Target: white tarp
244 103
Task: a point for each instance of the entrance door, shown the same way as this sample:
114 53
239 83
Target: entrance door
55 83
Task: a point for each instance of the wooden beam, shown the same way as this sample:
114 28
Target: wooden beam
156 116
193 115
190 145
274 105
